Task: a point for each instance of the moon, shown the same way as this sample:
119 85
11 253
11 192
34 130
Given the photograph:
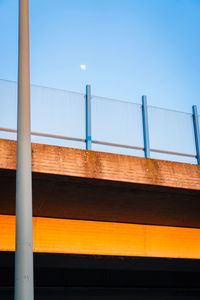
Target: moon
83 67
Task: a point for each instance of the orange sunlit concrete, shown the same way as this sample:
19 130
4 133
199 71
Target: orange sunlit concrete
104 238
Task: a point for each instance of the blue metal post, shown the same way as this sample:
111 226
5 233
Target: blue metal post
145 127
88 118
196 131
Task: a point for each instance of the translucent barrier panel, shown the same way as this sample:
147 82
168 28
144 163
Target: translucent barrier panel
8 135
8 104
117 122
177 158
171 131
117 150
57 112
57 142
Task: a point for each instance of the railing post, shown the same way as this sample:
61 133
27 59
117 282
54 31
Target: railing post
145 127
196 132
88 118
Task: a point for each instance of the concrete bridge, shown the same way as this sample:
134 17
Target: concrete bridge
106 226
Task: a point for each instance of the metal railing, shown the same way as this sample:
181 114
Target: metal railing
96 123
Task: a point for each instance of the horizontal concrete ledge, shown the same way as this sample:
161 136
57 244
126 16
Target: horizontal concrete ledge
79 262
84 271
64 236
77 184
104 166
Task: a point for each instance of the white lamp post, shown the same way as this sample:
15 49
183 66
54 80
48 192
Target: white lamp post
24 253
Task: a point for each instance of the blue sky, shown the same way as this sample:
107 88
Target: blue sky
130 48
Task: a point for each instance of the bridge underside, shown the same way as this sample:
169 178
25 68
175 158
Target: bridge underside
59 276
105 226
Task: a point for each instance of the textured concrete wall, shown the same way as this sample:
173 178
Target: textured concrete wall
104 166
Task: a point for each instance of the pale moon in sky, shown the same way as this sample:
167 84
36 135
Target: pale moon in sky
83 67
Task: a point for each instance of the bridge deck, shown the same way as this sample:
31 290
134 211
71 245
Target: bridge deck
104 166
120 196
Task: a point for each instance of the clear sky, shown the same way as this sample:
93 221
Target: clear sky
129 47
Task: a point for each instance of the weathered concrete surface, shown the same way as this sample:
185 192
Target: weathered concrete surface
105 166
76 184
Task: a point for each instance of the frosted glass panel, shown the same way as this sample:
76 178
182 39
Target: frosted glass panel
62 113
57 112
116 122
8 104
57 142
171 131
117 150
177 158
8 135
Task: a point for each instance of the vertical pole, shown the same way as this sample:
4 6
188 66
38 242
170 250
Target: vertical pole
196 132
88 118
24 253
145 127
